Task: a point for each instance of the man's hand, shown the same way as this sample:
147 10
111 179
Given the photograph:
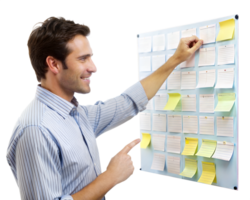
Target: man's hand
186 48
121 166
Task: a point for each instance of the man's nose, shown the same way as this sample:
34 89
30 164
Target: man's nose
94 66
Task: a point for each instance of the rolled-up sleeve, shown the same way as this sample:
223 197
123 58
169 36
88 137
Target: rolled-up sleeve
104 116
38 166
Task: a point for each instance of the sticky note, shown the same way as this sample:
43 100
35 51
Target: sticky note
173 100
224 150
225 102
191 145
146 137
158 162
190 168
226 30
208 175
207 148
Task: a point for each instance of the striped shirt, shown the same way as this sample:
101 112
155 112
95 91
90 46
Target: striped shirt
53 152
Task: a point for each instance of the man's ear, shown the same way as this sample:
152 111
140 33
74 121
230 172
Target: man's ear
53 65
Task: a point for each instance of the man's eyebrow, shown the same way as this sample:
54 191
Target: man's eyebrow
85 56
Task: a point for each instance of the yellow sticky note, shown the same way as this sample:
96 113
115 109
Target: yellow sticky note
190 168
173 100
207 148
208 175
146 138
191 145
225 102
226 30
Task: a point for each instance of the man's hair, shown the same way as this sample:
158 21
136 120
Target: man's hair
50 39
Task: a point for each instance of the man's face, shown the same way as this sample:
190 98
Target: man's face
80 67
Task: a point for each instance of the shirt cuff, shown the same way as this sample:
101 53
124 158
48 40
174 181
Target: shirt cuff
66 197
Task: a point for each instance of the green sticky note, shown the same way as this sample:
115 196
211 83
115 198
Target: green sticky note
225 102
207 148
173 100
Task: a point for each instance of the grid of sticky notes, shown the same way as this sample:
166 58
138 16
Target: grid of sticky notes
177 110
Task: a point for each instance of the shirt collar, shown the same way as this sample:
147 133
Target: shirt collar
55 102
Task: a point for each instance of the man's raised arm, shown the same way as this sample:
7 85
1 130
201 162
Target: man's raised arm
186 48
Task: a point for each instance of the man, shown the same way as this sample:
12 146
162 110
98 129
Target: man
52 152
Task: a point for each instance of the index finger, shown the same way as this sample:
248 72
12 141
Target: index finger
129 146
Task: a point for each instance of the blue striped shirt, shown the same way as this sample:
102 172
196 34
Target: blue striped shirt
53 152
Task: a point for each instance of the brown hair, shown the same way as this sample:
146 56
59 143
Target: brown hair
50 39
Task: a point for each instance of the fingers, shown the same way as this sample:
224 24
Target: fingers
196 46
131 145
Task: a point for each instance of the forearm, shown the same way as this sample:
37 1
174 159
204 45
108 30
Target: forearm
96 189
153 82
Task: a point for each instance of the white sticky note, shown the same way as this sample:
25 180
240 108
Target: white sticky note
158 162
223 151
145 121
160 101
150 105
190 124
175 123
226 54
158 61
188 102
206 125
174 144
188 32
159 122
159 42
225 78
207 33
206 78
145 63
174 80
206 56
207 103
173 164
144 44
188 63
173 40
158 141
225 126
188 80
